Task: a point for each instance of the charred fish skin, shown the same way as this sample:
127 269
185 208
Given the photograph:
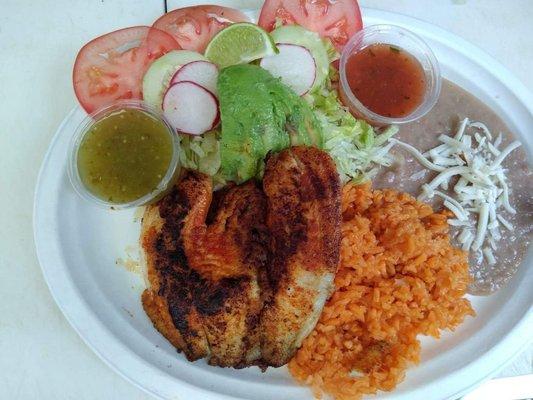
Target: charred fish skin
205 293
169 274
303 217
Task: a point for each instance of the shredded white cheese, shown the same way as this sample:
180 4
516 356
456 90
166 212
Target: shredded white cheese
482 127
418 175
461 213
481 190
461 129
482 222
487 253
420 158
498 140
504 154
505 223
465 235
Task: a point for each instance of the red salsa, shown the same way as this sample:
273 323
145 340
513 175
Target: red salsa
386 79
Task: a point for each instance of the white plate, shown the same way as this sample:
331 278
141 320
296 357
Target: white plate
78 244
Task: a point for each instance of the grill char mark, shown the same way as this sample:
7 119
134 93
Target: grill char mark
173 267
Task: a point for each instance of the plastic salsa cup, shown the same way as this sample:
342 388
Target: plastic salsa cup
403 39
150 195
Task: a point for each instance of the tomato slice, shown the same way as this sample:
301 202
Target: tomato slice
111 67
337 20
193 27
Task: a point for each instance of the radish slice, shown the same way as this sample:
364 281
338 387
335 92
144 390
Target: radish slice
190 108
294 65
202 73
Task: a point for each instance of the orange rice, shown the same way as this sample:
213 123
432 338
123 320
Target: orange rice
398 277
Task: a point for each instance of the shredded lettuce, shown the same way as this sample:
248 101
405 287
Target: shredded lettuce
202 153
356 147
333 54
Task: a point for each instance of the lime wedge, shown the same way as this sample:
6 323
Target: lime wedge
239 44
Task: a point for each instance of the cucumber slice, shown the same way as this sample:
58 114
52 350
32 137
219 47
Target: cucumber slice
294 34
157 79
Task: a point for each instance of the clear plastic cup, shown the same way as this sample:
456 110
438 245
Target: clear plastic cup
406 40
84 127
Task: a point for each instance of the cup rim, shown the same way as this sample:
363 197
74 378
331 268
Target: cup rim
430 98
83 129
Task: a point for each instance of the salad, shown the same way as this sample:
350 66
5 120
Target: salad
233 90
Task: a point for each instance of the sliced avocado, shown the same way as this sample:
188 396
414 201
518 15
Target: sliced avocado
259 114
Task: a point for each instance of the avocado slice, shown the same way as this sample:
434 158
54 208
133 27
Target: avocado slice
259 114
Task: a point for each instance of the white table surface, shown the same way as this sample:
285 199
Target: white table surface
41 357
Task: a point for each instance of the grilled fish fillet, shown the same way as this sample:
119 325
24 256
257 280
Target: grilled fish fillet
168 301
230 256
241 277
304 220
218 270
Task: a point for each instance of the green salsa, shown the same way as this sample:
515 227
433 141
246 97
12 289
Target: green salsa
124 155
